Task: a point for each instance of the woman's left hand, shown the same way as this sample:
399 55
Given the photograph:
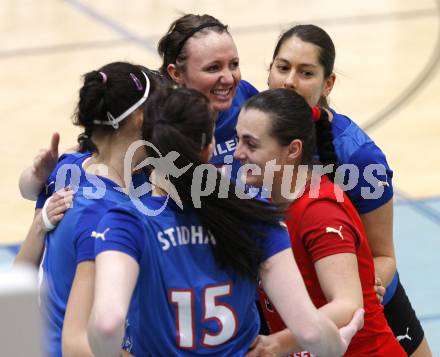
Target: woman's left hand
379 289
264 346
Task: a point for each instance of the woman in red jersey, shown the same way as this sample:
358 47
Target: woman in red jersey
277 138
303 60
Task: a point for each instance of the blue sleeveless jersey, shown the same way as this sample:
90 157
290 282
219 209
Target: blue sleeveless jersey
183 303
71 243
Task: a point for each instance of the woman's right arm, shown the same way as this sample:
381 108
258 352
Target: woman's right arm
32 179
74 339
316 333
32 247
339 280
373 199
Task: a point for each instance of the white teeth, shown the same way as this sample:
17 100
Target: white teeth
221 91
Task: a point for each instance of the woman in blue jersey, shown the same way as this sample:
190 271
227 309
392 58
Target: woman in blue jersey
190 273
303 61
199 53
109 111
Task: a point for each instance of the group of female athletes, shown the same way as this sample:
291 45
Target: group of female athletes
311 271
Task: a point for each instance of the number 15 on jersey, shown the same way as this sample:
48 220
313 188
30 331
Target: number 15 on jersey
213 309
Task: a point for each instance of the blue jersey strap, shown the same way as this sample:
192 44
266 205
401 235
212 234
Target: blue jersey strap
391 289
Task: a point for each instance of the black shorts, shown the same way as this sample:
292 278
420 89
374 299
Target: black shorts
403 321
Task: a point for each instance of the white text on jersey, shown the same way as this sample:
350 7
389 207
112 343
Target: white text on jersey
224 148
183 235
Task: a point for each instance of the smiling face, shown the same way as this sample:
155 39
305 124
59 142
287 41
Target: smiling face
212 68
297 67
256 146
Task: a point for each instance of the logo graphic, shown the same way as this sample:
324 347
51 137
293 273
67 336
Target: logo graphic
283 224
127 342
98 235
205 180
403 337
269 306
383 184
334 230
164 167
48 185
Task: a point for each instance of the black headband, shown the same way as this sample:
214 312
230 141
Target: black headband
192 32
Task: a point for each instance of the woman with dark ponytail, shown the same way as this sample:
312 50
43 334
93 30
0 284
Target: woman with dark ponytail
328 240
303 61
110 112
191 271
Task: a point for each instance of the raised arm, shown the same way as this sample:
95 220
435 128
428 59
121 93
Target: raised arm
32 179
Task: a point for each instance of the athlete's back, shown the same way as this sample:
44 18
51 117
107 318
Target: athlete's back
186 303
